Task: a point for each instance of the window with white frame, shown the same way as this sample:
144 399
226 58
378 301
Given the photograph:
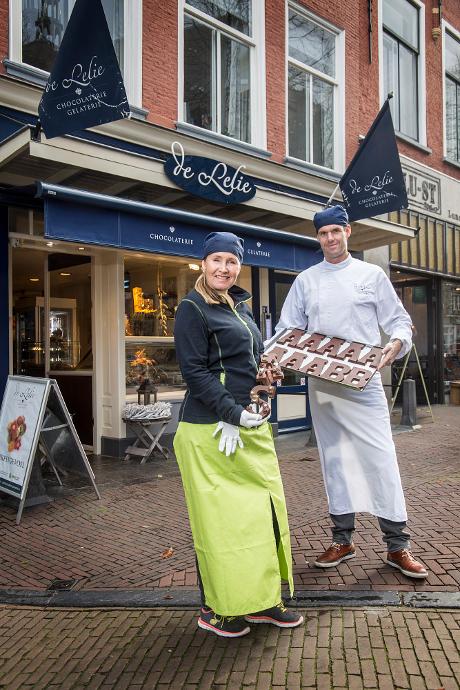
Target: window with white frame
312 90
401 56
452 95
44 23
37 28
219 67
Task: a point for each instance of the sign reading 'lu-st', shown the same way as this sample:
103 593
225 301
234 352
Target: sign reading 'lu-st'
329 358
208 178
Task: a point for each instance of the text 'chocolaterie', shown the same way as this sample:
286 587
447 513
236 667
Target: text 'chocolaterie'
326 357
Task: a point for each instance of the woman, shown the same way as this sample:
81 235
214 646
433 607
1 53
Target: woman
226 454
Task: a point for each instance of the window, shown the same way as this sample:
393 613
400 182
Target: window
37 29
220 85
153 288
401 56
452 95
313 91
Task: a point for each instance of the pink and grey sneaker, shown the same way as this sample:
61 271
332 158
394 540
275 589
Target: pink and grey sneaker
224 626
278 615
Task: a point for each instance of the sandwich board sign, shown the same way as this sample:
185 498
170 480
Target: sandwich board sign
325 357
34 417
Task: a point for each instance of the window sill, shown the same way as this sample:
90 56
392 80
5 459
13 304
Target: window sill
34 75
324 173
221 140
414 143
451 161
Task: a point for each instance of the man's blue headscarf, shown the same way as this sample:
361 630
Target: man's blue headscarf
333 215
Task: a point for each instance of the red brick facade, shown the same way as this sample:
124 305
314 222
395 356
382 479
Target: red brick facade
160 70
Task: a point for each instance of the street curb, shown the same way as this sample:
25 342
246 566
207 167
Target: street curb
185 598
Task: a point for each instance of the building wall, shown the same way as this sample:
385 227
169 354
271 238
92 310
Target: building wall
160 70
4 13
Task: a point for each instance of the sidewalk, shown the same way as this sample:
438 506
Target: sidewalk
117 543
129 619
135 649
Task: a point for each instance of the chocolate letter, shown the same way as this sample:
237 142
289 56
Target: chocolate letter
315 367
372 358
331 348
294 361
291 338
351 353
312 342
357 377
336 372
276 352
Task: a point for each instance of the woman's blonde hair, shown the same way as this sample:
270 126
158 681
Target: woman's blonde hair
209 295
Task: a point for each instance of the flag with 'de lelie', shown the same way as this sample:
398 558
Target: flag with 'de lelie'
373 183
85 87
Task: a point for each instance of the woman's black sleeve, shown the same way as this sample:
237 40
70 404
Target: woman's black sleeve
191 338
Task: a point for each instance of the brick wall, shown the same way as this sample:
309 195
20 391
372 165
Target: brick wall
159 64
3 33
160 70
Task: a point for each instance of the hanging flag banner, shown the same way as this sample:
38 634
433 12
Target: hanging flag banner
325 357
85 87
373 183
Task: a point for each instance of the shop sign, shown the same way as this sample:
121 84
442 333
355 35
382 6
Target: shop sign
34 410
20 419
85 87
208 178
108 227
423 190
329 358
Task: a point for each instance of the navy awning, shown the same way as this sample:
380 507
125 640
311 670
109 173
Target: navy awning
79 216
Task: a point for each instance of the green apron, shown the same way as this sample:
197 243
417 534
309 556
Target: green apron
229 501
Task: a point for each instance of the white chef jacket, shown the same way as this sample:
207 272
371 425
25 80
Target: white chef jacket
351 300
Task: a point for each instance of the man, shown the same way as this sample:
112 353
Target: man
351 299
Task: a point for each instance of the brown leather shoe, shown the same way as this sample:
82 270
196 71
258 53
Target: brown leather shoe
335 554
406 563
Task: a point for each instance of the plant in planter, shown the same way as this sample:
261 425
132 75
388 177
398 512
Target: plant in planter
147 376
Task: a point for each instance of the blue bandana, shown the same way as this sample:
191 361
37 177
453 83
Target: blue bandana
223 242
333 215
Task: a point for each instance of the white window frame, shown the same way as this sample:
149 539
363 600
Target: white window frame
256 43
132 58
446 28
339 89
421 71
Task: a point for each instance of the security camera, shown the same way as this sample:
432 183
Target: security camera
14 242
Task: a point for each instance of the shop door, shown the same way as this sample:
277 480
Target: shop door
52 333
290 407
69 337
417 296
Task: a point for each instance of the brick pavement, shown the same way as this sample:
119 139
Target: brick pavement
135 649
118 542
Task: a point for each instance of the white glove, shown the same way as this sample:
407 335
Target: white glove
229 438
251 419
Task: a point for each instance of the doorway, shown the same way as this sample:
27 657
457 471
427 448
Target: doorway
417 293
52 327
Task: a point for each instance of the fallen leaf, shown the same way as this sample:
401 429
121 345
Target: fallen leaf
167 553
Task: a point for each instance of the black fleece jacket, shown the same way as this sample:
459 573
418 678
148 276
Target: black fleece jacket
218 350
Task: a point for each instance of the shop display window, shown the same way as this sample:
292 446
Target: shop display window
153 288
451 328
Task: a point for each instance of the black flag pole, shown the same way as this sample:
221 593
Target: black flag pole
328 203
373 182
85 87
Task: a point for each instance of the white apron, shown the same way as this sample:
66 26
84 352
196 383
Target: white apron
356 448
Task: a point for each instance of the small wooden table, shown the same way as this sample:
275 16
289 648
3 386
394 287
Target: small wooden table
148 433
